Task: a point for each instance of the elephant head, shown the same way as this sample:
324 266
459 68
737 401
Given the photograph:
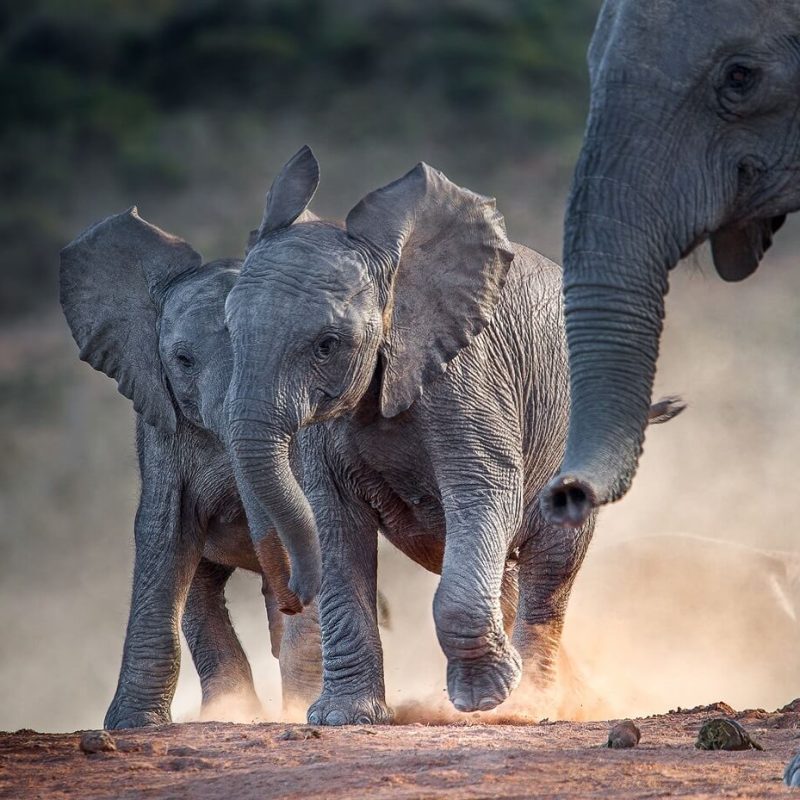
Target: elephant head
147 312
391 296
693 134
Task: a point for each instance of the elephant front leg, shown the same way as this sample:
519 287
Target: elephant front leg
166 560
301 661
353 686
226 680
483 667
295 641
549 560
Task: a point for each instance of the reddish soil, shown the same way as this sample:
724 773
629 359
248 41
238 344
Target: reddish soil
548 759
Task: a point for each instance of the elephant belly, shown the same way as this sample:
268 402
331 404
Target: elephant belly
229 543
414 528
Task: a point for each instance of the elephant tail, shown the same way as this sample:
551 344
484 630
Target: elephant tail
665 409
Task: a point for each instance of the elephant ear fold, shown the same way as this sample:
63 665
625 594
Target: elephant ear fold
290 192
442 258
112 279
738 249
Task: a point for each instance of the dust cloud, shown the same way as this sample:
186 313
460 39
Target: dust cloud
688 595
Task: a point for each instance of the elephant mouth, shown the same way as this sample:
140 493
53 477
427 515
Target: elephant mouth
568 501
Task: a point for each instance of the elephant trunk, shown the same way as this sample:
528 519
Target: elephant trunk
260 447
618 251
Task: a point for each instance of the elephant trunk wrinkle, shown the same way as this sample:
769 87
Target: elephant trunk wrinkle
261 454
617 257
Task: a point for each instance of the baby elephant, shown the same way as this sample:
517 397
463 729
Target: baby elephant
434 351
145 310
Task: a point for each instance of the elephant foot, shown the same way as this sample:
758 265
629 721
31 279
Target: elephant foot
478 684
367 709
118 720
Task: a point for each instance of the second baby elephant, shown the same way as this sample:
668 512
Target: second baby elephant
145 310
433 349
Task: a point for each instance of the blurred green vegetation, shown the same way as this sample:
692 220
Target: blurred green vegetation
91 91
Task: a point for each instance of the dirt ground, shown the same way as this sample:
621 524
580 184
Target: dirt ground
546 759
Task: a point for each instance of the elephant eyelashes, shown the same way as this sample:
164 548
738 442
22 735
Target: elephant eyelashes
325 347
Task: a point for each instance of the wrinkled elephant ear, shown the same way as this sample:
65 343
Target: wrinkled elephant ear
290 192
444 257
738 249
112 277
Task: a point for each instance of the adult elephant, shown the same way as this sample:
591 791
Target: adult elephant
693 134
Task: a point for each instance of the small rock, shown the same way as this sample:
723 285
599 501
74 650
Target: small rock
791 775
183 750
720 707
724 734
97 742
299 733
623 735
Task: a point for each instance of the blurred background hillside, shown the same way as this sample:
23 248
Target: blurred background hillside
187 109
103 101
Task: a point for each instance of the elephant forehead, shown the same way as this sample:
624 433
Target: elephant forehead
674 36
198 301
308 258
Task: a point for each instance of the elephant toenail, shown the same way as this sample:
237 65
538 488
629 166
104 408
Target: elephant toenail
314 718
363 720
485 703
336 718
461 704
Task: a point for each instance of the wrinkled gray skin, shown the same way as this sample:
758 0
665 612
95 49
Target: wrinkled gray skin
146 311
693 134
448 465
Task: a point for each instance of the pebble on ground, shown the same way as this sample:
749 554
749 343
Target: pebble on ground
624 735
97 742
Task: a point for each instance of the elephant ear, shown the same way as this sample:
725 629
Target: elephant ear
738 249
290 192
112 278
444 257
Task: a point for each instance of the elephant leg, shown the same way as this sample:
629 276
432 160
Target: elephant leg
549 560
301 661
168 550
295 641
353 684
483 667
225 675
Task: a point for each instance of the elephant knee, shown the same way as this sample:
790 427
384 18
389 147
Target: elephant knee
466 628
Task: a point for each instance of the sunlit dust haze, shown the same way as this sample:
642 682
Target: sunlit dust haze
689 593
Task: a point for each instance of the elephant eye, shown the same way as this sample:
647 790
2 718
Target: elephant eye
739 78
326 346
184 359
